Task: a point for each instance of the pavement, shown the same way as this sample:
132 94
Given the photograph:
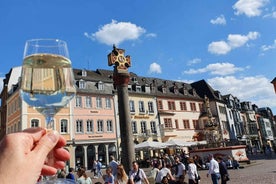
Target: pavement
261 170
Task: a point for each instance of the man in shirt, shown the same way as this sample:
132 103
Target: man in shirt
113 164
180 168
213 169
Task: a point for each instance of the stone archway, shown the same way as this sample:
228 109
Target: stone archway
91 156
79 156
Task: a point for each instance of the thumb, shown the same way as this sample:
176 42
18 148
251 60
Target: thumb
46 143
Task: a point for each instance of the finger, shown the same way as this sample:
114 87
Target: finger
61 154
36 133
48 170
46 144
61 142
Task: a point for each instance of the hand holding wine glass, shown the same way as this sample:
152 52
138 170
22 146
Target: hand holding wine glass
47 80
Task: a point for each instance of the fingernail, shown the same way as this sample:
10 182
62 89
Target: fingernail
53 135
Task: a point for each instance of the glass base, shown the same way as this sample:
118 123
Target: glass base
57 181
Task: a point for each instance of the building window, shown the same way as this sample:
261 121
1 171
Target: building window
176 124
143 127
131 106
79 126
82 84
153 127
141 107
88 102
171 105
186 124
78 101
108 103
99 102
64 126
150 107
183 106
100 126
196 124
89 126
201 107
134 127
193 106
34 123
160 104
109 127
101 86
138 88
83 73
168 122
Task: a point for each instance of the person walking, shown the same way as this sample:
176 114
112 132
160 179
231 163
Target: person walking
137 175
164 172
94 168
99 169
82 177
109 178
113 164
213 169
180 168
71 175
192 172
223 170
121 177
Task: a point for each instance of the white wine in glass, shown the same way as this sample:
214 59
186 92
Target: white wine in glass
47 79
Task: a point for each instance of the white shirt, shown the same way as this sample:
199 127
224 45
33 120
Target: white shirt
163 172
192 171
214 167
181 169
142 175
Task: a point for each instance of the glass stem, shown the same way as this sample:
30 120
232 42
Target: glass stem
50 122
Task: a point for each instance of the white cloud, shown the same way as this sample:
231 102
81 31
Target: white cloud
216 69
194 61
155 68
116 33
151 35
269 47
250 8
233 41
219 47
256 89
219 20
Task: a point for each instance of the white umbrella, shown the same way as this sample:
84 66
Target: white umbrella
179 143
150 145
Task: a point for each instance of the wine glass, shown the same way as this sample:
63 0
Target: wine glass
47 79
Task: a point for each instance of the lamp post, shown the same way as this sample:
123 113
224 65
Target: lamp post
121 78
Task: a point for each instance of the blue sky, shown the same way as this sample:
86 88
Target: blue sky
229 43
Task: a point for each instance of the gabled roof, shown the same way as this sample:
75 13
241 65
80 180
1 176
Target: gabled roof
203 88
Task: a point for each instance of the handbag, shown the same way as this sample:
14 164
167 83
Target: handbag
197 177
226 177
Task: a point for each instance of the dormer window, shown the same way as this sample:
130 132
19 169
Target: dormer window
100 85
82 84
83 73
138 88
134 79
164 89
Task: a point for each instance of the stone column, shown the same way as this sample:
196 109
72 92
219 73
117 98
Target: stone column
121 78
85 156
128 153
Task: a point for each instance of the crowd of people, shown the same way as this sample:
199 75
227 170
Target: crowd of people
32 147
